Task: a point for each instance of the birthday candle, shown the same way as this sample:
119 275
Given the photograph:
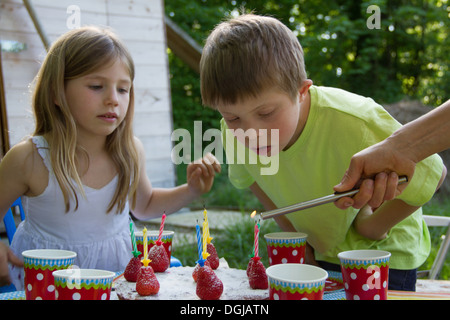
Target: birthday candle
256 240
161 228
199 246
205 253
145 259
133 240
208 237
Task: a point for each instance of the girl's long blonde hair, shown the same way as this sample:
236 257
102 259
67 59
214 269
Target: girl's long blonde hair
75 54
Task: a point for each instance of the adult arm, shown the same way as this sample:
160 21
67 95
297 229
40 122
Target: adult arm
395 156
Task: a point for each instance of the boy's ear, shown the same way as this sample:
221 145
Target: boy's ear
303 90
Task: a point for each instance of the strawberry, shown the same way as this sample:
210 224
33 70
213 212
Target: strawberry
213 258
257 274
132 269
195 272
209 286
159 259
147 283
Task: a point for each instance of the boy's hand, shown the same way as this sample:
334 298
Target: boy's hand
7 256
364 226
200 174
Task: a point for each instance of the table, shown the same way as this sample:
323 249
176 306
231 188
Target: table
426 290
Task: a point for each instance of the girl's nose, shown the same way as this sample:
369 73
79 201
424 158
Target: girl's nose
112 98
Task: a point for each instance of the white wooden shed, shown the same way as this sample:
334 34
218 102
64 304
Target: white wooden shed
140 24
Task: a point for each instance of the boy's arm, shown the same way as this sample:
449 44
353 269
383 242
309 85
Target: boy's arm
375 224
282 221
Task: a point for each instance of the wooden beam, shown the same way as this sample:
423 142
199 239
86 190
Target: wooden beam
182 45
37 24
4 136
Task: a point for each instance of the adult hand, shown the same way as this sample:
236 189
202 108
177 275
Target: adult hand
375 171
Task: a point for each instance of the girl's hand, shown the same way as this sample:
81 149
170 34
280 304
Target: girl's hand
200 174
7 256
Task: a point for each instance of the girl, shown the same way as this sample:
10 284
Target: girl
82 170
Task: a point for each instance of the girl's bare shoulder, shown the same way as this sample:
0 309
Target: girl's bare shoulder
23 161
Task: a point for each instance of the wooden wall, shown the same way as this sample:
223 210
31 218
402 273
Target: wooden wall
140 23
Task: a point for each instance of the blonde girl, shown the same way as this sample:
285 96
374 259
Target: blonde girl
82 171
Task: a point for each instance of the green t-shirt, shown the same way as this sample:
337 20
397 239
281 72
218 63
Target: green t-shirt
339 125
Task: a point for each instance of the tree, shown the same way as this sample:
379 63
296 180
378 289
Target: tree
406 57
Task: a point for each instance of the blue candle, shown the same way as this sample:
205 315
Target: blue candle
199 246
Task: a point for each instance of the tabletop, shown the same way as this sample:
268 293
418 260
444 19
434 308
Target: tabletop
425 290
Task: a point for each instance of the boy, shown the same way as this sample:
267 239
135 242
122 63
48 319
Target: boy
252 71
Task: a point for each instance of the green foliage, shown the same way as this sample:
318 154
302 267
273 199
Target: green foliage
407 56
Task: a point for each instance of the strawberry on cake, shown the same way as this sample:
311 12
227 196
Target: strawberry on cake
177 283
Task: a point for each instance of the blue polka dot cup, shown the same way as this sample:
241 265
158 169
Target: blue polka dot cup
39 265
286 247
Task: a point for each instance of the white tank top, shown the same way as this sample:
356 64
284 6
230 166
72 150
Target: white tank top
100 239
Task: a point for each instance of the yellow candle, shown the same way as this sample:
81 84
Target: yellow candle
205 253
208 237
145 259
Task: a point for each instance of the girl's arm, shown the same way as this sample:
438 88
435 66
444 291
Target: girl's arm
15 172
153 202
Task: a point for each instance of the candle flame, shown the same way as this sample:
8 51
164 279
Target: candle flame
253 214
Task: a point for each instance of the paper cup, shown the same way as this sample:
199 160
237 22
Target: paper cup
365 274
286 247
38 266
294 281
152 237
83 284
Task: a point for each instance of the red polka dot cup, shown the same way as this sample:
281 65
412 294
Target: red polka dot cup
83 284
365 274
294 281
152 237
38 266
286 247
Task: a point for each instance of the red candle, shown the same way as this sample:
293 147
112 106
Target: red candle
256 239
161 228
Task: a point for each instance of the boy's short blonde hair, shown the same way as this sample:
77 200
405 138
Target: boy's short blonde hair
247 54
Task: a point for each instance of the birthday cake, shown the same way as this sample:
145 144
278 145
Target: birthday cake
177 284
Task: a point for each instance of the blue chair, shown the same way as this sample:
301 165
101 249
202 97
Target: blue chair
9 222
10 227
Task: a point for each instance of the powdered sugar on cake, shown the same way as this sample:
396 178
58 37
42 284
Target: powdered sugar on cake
177 284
